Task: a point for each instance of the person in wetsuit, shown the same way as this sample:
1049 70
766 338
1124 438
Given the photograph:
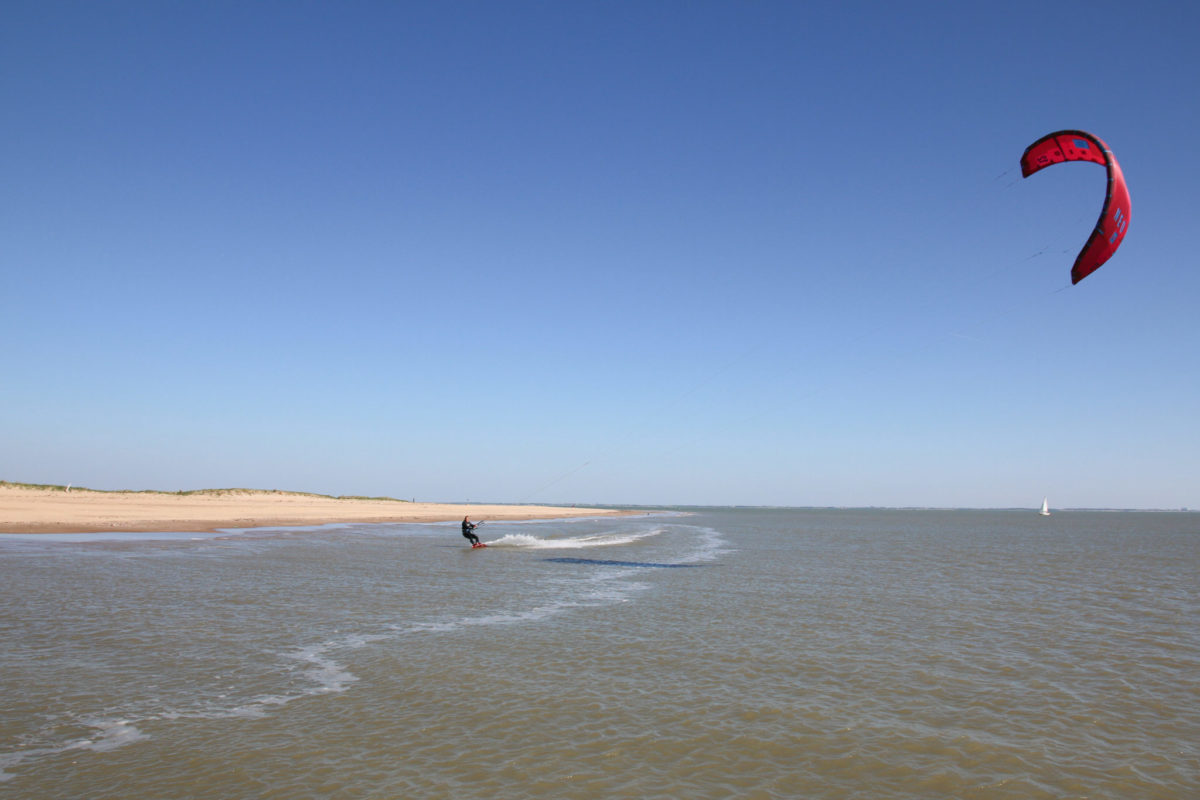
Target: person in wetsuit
468 529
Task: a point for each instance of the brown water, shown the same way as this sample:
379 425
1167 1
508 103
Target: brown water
726 653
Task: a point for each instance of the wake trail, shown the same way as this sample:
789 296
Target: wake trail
527 541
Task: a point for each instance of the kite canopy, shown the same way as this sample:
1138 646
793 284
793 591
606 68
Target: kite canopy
1055 148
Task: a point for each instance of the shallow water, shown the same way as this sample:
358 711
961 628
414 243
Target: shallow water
722 653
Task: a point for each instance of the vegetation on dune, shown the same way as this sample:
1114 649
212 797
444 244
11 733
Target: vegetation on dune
43 486
361 497
189 492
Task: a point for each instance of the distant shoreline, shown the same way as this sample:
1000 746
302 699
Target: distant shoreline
31 508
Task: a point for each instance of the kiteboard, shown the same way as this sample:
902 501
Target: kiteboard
477 545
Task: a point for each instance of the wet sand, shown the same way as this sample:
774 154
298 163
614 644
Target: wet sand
51 510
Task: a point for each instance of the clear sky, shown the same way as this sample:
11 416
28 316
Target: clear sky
616 252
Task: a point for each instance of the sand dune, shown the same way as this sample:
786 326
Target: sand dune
50 510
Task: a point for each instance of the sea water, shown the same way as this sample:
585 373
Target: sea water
711 654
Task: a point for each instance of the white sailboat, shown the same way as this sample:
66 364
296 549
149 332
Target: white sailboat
1045 512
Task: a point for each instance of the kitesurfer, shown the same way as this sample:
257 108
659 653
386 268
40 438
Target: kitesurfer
468 528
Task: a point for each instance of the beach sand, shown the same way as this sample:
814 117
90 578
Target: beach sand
50 510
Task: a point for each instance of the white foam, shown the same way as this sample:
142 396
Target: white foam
325 674
111 734
328 675
572 543
711 545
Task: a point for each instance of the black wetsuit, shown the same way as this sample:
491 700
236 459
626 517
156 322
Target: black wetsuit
467 527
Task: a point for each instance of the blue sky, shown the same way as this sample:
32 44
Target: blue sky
615 252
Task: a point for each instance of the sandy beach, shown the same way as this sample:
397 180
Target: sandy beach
52 510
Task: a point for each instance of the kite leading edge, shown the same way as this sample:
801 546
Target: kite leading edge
1061 146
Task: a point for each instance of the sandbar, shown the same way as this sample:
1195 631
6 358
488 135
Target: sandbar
31 509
